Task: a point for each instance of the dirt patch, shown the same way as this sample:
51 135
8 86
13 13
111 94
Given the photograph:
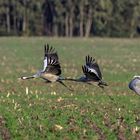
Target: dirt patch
4 132
96 128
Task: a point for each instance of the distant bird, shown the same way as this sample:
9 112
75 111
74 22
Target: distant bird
92 73
135 84
52 70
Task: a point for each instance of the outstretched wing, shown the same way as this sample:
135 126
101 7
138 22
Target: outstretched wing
91 69
50 52
51 61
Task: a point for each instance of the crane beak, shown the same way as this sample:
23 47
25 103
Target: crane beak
23 78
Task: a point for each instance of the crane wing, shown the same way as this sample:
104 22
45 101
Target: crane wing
91 69
51 61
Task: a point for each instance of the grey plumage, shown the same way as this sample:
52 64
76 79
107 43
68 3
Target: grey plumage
51 70
134 84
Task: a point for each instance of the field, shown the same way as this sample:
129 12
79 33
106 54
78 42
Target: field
35 110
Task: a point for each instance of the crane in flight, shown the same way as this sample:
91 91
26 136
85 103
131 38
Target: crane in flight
52 70
92 73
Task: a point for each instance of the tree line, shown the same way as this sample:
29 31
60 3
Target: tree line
84 18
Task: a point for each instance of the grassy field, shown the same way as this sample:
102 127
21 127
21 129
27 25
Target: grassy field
35 110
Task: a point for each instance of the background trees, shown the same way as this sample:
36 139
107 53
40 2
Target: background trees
119 18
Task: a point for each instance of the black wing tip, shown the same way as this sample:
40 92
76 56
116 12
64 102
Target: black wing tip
46 45
90 59
49 49
45 48
84 68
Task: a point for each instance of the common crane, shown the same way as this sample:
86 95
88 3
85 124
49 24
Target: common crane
52 70
92 73
135 84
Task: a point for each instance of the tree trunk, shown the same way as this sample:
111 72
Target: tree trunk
133 26
71 27
81 20
71 17
8 19
55 28
16 24
66 25
89 22
24 23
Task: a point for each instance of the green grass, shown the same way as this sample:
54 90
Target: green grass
50 111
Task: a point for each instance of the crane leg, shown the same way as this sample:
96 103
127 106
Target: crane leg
65 85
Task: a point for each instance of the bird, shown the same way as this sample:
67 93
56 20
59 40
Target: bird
51 70
92 73
134 84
